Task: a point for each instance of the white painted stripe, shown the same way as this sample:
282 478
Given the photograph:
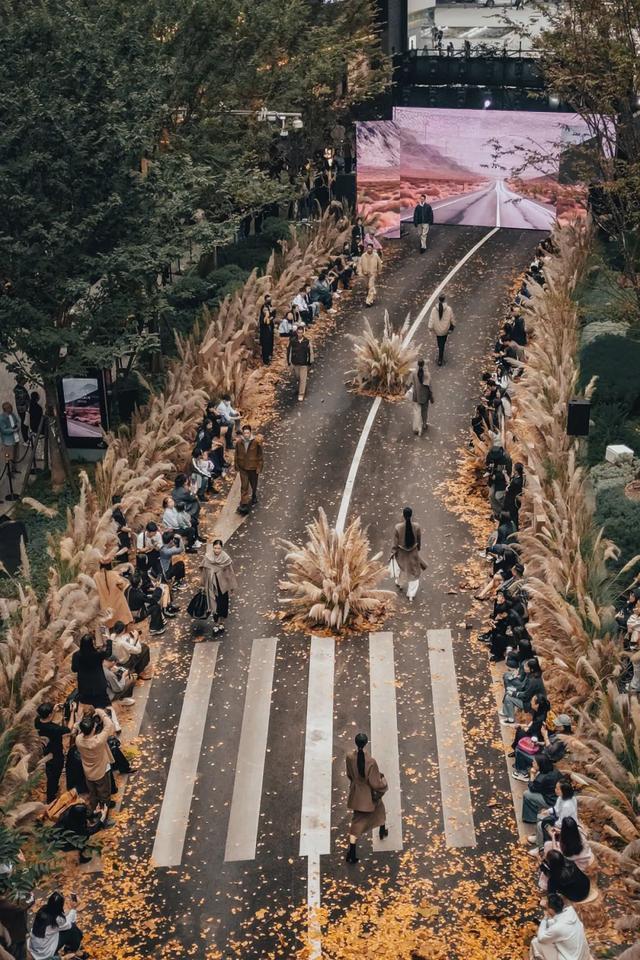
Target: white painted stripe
384 733
176 803
315 827
355 463
498 199
457 811
242 832
313 907
467 196
366 430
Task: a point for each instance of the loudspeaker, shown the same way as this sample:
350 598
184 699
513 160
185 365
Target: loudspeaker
578 415
11 532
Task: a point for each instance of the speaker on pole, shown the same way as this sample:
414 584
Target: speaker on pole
578 416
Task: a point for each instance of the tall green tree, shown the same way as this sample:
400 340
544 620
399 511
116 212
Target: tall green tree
591 60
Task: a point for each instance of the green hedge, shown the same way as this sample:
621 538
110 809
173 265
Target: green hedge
620 518
616 363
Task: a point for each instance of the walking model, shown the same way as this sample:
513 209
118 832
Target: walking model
422 220
421 395
369 266
368 786
441 322
406 564
300 357
249 463
218 581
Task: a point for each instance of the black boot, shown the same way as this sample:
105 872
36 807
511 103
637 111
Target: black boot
383 832
351 854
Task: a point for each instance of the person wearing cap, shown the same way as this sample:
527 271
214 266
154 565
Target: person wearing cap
370 266
367 786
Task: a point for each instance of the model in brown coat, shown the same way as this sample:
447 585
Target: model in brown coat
407 564
365 796
111 588
249 463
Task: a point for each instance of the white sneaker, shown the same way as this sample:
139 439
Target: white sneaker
534 852
197 543
506 721
531 838
300 398
127 701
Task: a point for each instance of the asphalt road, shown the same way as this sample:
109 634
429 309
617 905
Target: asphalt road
207 899
494 206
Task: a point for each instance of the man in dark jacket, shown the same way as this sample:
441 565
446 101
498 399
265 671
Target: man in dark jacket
52 734
300 357
422 219
249 463
358 233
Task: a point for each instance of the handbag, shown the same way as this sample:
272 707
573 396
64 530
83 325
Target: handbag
528 746
394 569
377 795
198 607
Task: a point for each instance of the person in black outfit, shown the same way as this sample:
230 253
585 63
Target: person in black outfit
75 820
514 492
358 233
87 663
52 734
564 877
36 413
266 326
423 219
182 494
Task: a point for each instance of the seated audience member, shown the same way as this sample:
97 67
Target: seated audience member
288 325
216 456
207 433
172 549
541 793
120 684
230 418
203 474
124 531
550 744
54 930
301 307
129 651
179 521
561 933
149 542
566 805
519 695
183 492
572 843
321 291
564 877
137 598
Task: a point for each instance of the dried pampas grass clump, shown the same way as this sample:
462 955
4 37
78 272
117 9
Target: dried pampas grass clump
332 579
382 365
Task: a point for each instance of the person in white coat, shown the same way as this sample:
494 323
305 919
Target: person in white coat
441 322
561 934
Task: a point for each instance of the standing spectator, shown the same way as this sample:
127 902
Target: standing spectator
21 395
370 266
9 435
218 580
111 588
561 933
358 234
92 741
267 306
36 412
87 662
52 733
266 333
441 322
54 931
422 220
300 357
422 396
367 786
405 555
249 464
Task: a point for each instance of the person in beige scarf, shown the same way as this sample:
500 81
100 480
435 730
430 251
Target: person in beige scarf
218 581
370 265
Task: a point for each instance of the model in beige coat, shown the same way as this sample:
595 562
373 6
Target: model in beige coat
367 786
406 563
369 266
441 322
111 587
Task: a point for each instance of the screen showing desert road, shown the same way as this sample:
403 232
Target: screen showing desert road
477 167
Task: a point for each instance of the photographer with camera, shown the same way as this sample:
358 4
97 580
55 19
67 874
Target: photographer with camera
92 742
170 557
52 733
128 649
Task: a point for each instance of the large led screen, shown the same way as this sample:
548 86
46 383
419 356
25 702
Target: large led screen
378 174
483 167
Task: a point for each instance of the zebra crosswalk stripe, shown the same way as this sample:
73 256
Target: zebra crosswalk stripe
315 823
384 733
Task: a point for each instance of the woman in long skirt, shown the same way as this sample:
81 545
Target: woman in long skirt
406 563
218 580
367 788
